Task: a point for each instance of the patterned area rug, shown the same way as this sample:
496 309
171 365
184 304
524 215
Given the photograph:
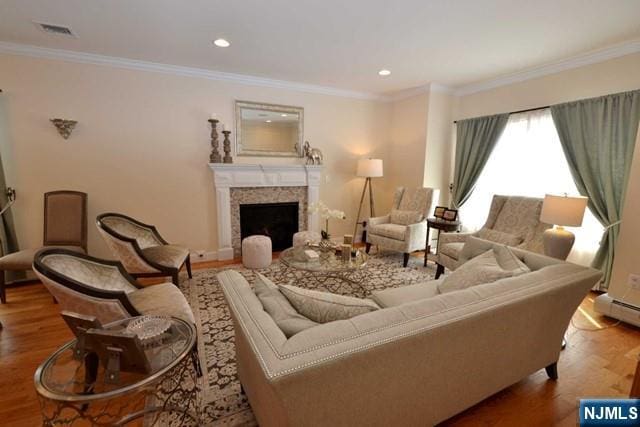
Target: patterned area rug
222 403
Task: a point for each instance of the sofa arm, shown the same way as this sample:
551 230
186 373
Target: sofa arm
378 220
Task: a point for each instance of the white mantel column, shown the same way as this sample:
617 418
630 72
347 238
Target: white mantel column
314 176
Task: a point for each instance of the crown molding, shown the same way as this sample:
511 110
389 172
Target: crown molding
132 64
577 61
418 90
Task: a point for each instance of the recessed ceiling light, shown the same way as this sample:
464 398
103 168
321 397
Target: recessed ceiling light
283 115
221 43
384 72
268 121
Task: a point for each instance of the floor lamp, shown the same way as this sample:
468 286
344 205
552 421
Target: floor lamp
367 168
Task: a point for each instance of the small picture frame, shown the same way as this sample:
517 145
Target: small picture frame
439 211
450 214
124 347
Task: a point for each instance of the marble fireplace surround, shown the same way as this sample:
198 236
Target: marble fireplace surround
256 184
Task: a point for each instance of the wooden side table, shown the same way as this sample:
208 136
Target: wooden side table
440 225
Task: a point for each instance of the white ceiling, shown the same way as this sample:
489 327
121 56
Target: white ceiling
334 43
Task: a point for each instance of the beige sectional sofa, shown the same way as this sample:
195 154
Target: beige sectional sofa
421 359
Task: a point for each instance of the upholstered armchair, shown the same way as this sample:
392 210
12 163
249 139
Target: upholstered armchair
141 249
404 229
100 288
513 221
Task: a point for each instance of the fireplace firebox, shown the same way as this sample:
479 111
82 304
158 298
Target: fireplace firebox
279 221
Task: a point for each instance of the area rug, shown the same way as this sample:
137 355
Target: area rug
221 402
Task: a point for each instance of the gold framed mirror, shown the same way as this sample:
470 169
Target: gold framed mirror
269 130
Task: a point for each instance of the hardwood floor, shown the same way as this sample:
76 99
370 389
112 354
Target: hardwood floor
594 364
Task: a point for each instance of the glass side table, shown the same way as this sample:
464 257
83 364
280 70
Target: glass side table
76 392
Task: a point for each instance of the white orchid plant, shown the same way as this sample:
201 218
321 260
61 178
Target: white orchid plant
326 213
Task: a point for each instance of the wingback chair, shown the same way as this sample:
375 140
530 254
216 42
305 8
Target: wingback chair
65 225
513 221
404 229
100 288
141 249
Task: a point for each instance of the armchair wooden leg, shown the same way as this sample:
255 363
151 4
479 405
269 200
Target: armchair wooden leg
552 371
3 292
188 263
174 277
439 270
406 260
367 248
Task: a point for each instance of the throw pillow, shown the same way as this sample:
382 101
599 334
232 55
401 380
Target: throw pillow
279 308
473 247
499 237
404 217
509 261
481 269
323 307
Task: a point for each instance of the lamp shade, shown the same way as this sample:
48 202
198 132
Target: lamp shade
563 210
369 168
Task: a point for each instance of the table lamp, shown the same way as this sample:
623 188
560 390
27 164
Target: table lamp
367 168
561 211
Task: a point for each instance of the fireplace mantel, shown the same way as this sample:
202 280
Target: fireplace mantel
227 176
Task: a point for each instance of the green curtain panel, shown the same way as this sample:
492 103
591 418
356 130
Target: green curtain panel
598 137
8 239
475 141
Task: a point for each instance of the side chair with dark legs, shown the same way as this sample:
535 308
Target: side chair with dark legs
65 226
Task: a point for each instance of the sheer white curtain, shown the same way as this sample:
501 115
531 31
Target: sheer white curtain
528 161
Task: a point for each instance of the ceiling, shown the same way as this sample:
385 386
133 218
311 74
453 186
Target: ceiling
333 43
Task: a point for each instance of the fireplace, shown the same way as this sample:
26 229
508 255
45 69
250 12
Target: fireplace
279 221
238 184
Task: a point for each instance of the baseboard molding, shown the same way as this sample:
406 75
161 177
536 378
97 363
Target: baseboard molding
202 256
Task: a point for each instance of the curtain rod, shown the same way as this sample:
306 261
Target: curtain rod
523 111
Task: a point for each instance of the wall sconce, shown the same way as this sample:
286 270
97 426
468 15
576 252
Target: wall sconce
65 127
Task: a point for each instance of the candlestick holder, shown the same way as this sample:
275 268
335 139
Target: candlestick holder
227 147
214 157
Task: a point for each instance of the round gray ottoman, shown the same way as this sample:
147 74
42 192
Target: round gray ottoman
256 252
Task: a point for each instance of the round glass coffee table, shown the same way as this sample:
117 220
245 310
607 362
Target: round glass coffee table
328 270
76 391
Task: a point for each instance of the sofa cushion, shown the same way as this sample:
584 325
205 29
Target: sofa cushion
481 269
404 294
279 308
323 307
164 299
405 217
452 249
499 237
392 231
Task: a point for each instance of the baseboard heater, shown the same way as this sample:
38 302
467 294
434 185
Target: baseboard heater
608 306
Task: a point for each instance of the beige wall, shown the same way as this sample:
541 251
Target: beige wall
438 154
141 146
616 75
408 138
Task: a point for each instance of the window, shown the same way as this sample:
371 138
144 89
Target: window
528 161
